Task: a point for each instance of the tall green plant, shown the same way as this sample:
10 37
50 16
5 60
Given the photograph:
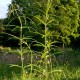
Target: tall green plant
22 40
45 19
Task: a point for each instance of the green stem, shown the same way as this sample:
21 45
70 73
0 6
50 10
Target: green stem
21 51
46 41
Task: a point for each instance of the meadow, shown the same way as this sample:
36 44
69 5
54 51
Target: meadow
65 65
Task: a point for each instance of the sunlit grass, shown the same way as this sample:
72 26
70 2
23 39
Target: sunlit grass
63 71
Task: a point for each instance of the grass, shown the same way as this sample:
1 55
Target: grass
68 68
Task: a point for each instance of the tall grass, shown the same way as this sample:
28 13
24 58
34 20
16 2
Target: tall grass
15 9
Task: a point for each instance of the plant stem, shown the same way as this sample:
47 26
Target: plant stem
21 48
46 40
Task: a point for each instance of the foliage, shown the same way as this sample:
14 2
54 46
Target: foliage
51 21
63 13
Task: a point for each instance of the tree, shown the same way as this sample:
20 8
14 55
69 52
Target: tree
1 25
65 14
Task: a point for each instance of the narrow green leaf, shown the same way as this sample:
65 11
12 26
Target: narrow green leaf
40 20
14 65
50 21
48 6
